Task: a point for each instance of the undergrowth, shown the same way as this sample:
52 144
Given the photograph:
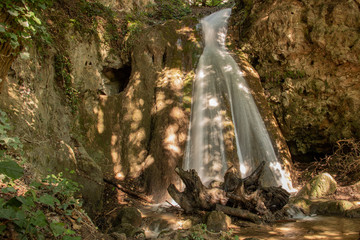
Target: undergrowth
343 164
31 209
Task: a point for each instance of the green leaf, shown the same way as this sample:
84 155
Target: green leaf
26 201
42 6
48 200
14 202
35 184
7 213
37 20
57 228
2 228
11 169
2 28
39 219
8 190
14 44
71 238
13 13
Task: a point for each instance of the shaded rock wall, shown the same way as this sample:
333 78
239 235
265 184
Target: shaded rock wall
307 55
142 130
37 107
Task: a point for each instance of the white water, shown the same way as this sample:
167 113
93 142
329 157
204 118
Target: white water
218 78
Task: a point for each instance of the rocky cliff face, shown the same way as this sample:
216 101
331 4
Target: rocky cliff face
141 130
119 114
307 55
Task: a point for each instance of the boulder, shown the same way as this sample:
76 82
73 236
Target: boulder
128 215
129 230
320 186
217 221
331 207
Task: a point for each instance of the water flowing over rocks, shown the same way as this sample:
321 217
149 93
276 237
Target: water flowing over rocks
128 120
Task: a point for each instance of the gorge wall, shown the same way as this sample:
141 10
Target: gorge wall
113 101
307 55
105 112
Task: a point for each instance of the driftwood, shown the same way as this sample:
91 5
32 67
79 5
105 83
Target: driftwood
128 191
243 198
196 196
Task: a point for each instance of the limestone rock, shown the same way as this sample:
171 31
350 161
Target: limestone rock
130 231
118 236
129 215
331 207
218 221
159 225
307 55
320 186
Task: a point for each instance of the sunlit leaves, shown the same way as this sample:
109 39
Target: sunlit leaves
25 15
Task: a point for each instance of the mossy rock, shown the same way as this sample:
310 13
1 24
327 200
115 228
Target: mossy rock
217 221
128 215
331 207
353 213
130 231
320 186
302 203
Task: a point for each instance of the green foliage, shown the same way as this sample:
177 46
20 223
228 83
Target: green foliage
8 150
26 22
63 70
28 213
172 9
280 76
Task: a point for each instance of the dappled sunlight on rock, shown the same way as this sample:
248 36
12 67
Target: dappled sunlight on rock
177 113
100 120
137 136
171 140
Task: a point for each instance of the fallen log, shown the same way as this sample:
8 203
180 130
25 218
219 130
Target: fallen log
195 195
238 212
128 191
244 198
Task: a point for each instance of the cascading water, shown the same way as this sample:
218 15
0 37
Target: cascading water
219 79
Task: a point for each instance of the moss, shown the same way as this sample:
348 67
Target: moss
320 186
63 70
188 85
302 203
331 207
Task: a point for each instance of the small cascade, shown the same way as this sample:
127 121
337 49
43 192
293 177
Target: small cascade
219 83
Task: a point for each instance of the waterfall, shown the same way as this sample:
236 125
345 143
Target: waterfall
218 82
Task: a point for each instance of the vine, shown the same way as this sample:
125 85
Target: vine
24 23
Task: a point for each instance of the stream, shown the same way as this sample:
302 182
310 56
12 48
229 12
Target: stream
318 227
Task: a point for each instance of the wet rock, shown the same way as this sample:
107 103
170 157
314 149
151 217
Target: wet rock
130 231
128 215
320 186
217 221
118 236
159 225
303 204
187 224
331 207
353 213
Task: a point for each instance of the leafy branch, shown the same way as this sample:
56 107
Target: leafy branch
24 23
